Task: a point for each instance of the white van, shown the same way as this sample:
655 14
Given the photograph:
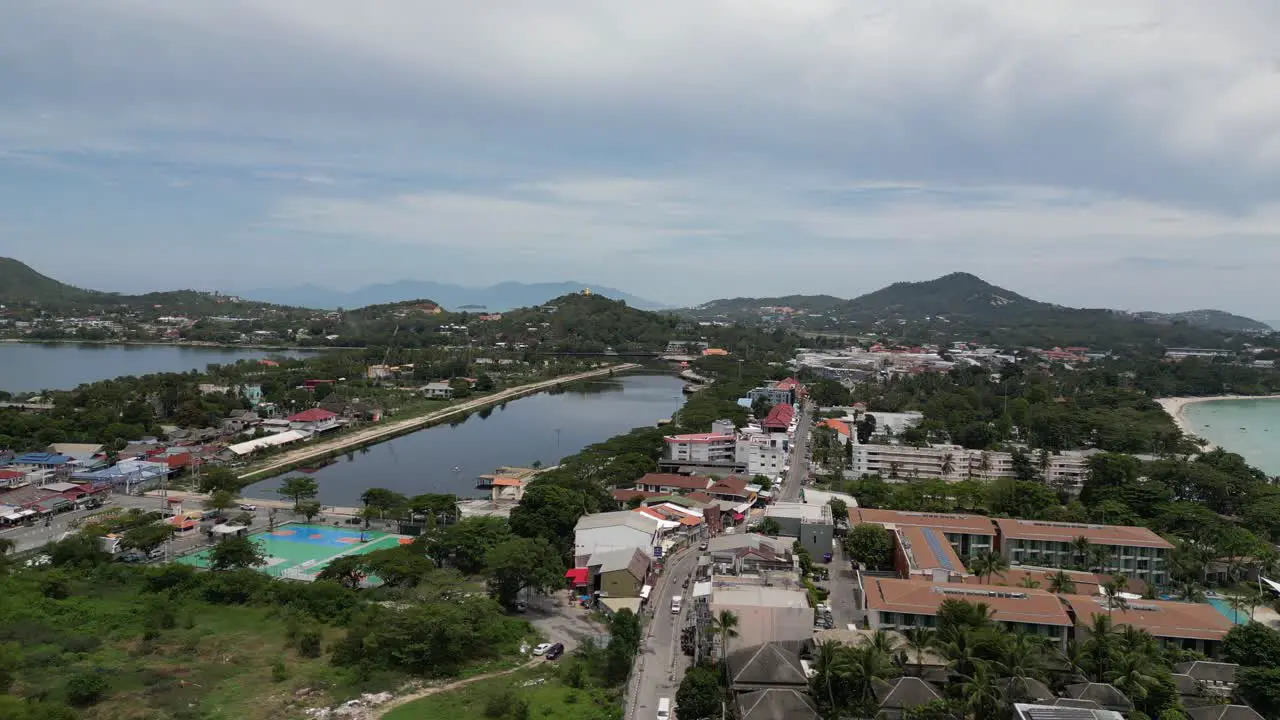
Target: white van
664 709
675 605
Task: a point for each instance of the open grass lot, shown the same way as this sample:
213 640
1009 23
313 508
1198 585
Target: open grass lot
548 698
163 659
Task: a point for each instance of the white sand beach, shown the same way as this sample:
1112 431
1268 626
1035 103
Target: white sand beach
1176 407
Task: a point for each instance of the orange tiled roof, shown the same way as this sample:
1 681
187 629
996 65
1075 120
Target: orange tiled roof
919 597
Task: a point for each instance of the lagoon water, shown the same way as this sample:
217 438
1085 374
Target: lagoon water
61 366
448 458
1248 427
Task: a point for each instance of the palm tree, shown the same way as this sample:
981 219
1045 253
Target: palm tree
1061 583
1029 581
1112 589
725 624
987 563
1136 641
982 698
948 465
920 640
884 643
1099 556
984 464
865 665
961 651
1237 603
894 468
828 656
1080 546
1189 591
1022 657
1134 675
1100 647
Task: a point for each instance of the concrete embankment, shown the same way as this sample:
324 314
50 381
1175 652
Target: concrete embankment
378 433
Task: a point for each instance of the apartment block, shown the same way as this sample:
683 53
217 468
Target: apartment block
894 604
1133 552
701 448
1190 626
952 462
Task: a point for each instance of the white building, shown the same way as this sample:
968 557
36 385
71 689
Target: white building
766 613
763 453
952 462
437 390
710 448
615 531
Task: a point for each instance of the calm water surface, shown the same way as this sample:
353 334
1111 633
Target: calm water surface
61 366
545 427
1248 427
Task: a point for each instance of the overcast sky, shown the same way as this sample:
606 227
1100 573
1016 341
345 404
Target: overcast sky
1124 153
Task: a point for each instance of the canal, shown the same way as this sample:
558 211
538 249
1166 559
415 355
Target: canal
62 366
448 458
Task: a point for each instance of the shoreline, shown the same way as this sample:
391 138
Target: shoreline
159 343
1176 408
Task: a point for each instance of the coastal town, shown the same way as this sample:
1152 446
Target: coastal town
811 520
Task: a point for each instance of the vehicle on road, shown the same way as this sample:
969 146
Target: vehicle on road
541 649
248 507
555 651
703 546
675 605
685 584
664 709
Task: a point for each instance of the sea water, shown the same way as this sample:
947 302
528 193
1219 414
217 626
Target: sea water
1248 427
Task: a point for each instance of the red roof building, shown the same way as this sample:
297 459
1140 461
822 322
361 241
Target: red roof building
779 418
312 415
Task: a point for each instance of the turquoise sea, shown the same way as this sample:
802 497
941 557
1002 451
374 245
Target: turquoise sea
1248 427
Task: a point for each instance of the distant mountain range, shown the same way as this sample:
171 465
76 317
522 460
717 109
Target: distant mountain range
958 298
496 298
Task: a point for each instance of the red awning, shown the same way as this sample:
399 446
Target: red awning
577 575
738 516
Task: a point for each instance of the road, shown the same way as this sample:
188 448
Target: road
29 538
799 456
388 430
661 664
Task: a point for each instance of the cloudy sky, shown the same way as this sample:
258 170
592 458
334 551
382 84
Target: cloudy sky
1124 153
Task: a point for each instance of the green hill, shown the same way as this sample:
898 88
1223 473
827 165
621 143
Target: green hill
961 306
1210 320
20 285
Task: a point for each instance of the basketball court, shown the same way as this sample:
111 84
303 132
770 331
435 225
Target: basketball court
299 552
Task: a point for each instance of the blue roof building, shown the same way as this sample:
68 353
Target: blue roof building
44 460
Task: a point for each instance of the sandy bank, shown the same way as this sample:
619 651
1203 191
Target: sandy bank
1177 406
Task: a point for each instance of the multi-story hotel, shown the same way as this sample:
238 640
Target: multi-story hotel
1134 552
1190 626
893 604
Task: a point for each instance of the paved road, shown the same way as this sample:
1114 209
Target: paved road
39 534
661 664
799 456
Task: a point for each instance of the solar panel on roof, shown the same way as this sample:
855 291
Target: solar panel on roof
1058 713
935 544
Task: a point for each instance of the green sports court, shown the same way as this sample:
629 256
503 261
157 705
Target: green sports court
299 552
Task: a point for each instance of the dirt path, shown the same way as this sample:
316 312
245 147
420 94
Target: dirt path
390 430
384 710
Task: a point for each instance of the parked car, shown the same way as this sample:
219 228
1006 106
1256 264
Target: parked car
703 546
542 649
248 508
555 651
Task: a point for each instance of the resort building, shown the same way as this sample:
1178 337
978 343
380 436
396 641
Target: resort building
1133 552
1191 626
953 462
894 604
968 535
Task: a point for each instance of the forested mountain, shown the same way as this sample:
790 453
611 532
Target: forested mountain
22 287
961 306
494 298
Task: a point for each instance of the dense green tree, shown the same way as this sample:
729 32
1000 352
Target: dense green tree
521 563
348 571
870 545
236 553
309 509
699 696
466 544
148 537
220 501
1252 644
299 488
1260 688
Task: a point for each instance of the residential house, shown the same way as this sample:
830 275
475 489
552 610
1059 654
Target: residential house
732 488
1055 711
776 704
1190 626
749 553
84 454
899 697
810 524
667 484
1106 696
931 665
841 428
42 461
896 604
766 665
615 531
1212 679
437 390
1223 712
779 418
619 573
1135 552
315 420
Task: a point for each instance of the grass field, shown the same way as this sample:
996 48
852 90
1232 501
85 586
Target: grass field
548 698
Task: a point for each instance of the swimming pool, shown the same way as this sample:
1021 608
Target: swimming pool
1224 607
